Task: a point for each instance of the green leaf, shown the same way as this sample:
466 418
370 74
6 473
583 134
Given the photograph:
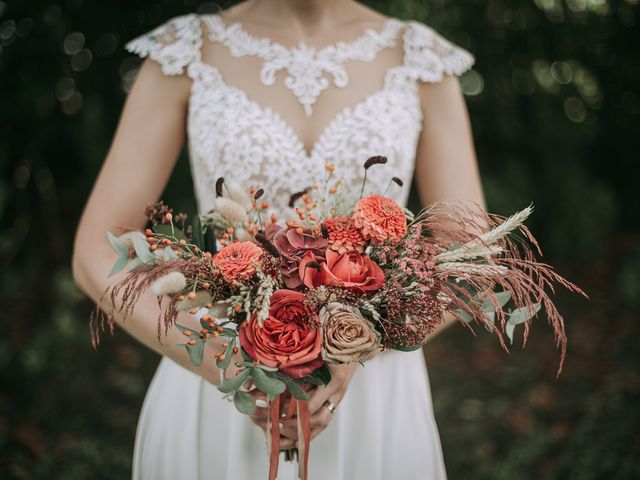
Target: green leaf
209 240
135 264
403 348
142 249
266 383
196 231
509 331
234 383
196 352
464 316
169 254
522 314
244 403
165 229
228 353
296 390
118 245
323 374
119 265
503 298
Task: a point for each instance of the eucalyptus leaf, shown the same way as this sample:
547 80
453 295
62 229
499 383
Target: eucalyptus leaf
118 245
135 264
404 348
244 403
266 383
169 254
228 353
142 248
196 352
464 316
296 390
235 382
119 265
509 331
522 314
323 374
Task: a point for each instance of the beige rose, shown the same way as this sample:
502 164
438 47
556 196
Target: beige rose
347 335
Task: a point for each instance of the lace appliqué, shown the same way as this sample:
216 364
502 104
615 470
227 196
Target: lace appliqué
307 68
174 44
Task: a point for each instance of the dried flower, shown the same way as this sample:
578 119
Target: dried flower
377 160
169 284
347 335
230 210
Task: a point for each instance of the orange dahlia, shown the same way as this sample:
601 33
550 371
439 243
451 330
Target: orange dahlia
237 261
380 219
344 236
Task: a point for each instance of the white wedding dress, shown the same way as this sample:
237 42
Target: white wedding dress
266 114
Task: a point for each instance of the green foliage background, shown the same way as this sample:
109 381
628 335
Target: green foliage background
554 99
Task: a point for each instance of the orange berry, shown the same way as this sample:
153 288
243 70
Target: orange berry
208 305
265 205
235 349
305 197
215 334
219 329
182 241
212 324
191 342
204 331
205 285
180 297
193 311
187 333
237 308
230 230
217 355
274 218
299 231
312 217
225 345
148 232
221 357
153 248
208 254
191 295
205 317
333 189
330 167
169 217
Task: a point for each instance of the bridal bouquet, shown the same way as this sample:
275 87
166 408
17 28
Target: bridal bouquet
338 283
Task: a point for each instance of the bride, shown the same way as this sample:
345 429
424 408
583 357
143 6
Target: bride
270 93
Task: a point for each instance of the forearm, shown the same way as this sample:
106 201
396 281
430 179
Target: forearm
90 271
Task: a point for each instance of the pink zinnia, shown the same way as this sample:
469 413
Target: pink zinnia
380 219
344 236
236 261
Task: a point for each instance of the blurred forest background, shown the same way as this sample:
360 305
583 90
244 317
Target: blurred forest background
555 101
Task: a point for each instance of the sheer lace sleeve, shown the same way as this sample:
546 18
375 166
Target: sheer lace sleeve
174 44
429 56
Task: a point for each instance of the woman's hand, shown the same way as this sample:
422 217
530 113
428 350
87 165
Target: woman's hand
320 415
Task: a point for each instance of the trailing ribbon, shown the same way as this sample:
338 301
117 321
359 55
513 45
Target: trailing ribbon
301 408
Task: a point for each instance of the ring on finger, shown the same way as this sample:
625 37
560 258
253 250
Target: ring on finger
329 405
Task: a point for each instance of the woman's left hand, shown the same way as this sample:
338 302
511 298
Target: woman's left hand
320 415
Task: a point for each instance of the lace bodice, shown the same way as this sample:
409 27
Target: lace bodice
233 132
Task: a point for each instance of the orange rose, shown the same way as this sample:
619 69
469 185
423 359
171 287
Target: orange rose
236 261
380 219
347 270
289 339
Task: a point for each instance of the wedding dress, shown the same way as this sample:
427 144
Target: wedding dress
265 114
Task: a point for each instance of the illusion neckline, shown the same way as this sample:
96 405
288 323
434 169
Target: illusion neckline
386 28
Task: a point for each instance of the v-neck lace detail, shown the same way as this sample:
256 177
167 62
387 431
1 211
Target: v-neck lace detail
235 136
307 68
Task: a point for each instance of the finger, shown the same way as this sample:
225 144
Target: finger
286 443
321 419
288 432
321 395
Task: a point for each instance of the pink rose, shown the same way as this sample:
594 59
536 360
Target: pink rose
348 270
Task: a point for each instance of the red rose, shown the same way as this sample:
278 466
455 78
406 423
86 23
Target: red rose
347 270
289 339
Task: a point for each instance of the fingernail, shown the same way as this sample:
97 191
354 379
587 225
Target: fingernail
261 403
